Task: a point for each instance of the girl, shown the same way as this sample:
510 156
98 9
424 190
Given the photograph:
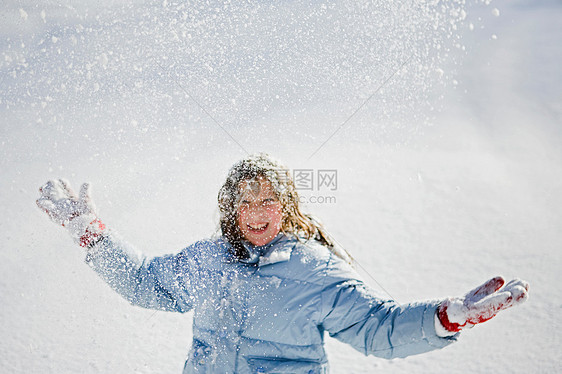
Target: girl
265 292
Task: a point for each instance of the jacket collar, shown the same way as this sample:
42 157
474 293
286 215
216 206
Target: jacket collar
277 250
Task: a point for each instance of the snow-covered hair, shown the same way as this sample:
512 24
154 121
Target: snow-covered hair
294 221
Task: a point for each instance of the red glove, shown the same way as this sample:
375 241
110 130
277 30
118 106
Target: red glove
482 303
76 213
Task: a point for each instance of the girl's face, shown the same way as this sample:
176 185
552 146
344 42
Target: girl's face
259 212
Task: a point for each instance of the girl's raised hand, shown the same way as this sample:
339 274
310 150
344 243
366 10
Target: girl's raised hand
76 213
482 303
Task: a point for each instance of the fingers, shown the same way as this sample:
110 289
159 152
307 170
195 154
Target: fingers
85 193
54 190
488 288
519 290
517 283
515 292
46 190
66 186
85 199
45 204
60 202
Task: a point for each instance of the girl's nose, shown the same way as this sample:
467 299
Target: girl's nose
256 211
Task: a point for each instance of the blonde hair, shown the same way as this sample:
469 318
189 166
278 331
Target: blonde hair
294 222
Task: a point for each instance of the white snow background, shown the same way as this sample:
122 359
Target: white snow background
447 121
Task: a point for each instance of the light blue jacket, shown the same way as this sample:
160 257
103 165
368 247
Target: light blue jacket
267 314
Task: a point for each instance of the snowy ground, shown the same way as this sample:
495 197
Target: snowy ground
430 201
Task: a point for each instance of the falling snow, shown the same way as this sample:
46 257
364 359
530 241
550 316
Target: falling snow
441 118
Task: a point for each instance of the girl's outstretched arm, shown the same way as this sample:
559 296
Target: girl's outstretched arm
355 314
158 283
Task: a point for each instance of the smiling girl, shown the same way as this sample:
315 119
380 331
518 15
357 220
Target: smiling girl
265 292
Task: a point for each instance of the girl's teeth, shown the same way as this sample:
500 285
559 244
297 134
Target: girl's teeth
258 227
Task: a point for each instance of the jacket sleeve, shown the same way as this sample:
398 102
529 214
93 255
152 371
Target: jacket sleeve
162 283
354 314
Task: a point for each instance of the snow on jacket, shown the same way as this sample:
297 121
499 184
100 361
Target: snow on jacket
267 314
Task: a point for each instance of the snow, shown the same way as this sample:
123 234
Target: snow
449 174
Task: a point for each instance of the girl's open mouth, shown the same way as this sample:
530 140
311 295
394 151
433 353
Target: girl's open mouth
257 228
